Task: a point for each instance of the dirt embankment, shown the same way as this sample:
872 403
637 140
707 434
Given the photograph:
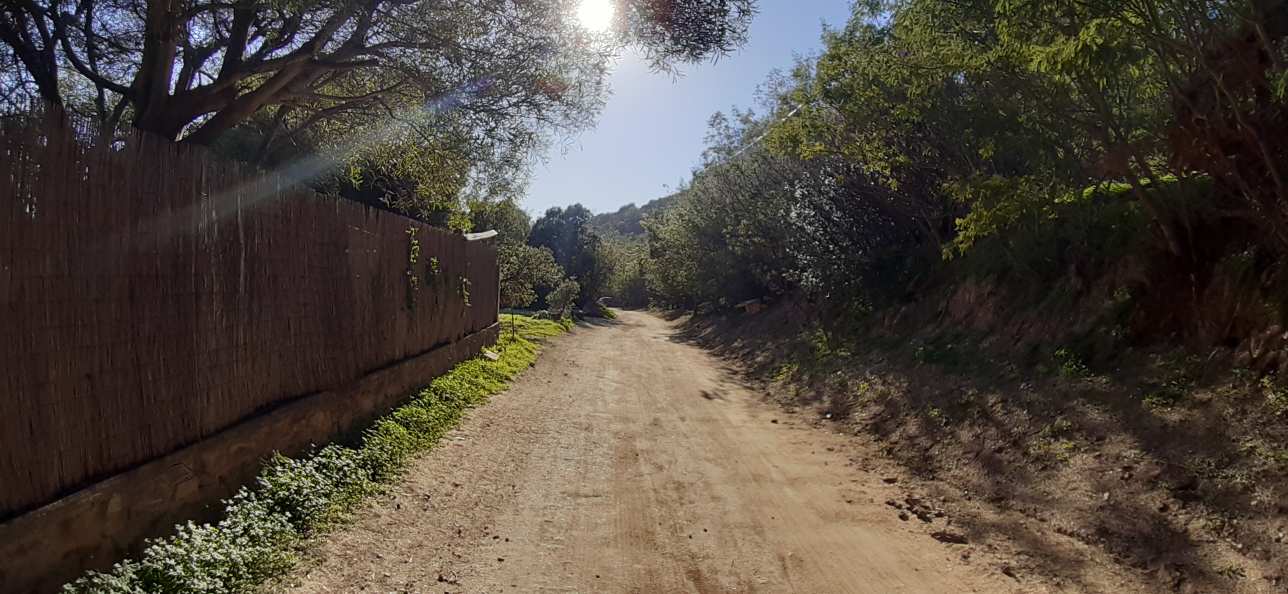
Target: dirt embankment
630 461
1163 472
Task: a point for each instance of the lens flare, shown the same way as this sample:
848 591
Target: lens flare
301 172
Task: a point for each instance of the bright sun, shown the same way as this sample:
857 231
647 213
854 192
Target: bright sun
595 15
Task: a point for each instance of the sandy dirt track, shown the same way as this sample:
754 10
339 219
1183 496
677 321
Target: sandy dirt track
629 461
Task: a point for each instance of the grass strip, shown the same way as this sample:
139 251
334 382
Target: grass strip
293 499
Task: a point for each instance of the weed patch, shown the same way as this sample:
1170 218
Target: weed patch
1276 395
1165 396
294 498
1069 364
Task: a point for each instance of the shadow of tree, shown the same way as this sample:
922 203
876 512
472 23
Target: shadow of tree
1165 494
588 322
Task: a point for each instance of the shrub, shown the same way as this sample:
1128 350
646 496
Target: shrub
1166 396
386 446
1276 395
1069 364
309 491
562 298
249 545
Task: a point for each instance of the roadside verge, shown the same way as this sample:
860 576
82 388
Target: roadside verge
265 524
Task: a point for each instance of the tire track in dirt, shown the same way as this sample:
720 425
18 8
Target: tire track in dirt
627 461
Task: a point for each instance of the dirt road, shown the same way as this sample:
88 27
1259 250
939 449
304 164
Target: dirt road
628 461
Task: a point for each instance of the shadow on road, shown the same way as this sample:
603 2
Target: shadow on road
1157 493
598 322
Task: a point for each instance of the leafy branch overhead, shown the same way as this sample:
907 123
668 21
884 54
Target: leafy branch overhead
196 69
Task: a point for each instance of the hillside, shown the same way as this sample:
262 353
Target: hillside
628 220
1056 322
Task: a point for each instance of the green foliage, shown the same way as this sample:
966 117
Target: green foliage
387 446
463 288
1061 427
565 232
413 257
1054 441
1058 450
564 296
536 258
786 372
727 236
628 221
312 491
1032 144
1179 373
251 544
1275 394
524 270
417 176
1165 396
429 100
294 498
1069 364
506 217
1232 572
577 248
628 268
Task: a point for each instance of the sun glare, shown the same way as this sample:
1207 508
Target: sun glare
595 15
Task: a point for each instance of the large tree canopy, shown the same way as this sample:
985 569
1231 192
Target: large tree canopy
567 233
196 68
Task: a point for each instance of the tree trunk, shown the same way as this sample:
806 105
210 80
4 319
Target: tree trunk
151 87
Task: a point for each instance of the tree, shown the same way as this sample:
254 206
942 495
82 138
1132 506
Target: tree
421 178
503 216
628 261
196 69
562 230
566 232
563 297
524 269
684 30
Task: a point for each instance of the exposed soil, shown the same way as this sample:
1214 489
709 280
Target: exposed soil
629 460
1161 472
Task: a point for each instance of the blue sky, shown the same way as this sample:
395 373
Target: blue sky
649 136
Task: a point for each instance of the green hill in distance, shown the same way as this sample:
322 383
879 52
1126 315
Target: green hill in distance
628 219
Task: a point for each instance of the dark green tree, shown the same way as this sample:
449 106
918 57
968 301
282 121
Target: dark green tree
567 233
